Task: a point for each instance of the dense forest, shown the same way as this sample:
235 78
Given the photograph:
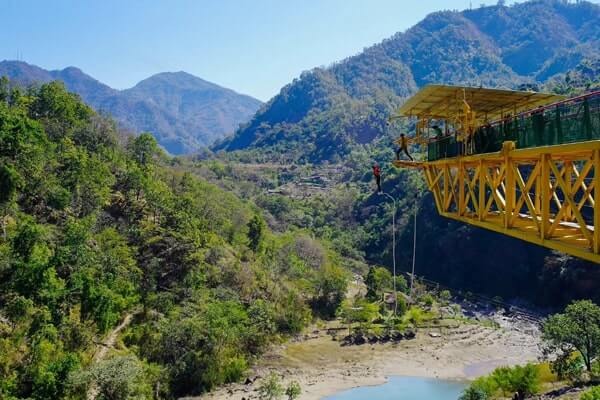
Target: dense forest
97 228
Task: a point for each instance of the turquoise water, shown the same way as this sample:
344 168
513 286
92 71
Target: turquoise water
404 388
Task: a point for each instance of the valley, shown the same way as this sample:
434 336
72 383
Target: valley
180 240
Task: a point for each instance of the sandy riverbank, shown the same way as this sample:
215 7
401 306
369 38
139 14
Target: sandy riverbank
323 367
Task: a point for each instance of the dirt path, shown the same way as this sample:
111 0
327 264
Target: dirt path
106 345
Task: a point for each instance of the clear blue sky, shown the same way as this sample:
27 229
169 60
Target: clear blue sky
252 46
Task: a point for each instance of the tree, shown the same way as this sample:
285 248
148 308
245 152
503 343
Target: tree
4 89
10 181
578 328
379 280
60 112
256 232
293 390
144 148
523 381
29 234
270 388
359 311
330 285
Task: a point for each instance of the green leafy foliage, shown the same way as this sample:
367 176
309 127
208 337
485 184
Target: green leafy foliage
256 228
520 381
93 231
473 393
577 329
293 390
270 388
359 311
568 366
118 378
591 394
377 281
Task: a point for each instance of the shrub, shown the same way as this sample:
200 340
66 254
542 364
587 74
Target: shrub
234 369
445 296
119 377
417 316
546 373
402 306
427 299
293 390
568 366
522 380
485 384
473 393
591 394
596 369
270 388
360 311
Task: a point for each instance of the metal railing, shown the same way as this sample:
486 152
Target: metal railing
568 121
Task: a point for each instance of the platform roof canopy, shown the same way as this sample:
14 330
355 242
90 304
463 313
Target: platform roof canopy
446 102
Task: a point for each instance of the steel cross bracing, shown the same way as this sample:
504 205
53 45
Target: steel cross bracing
544 195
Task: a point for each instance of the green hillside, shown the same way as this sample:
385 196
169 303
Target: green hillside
324 113
358 222
95 232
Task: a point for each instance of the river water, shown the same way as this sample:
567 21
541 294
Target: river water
404 388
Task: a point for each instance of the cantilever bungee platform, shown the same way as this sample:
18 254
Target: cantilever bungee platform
530 173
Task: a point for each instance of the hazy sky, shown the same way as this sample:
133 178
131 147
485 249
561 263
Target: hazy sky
252 46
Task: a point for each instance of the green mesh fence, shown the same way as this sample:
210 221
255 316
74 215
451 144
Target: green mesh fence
442 148
568 122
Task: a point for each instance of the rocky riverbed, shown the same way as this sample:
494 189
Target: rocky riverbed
461 351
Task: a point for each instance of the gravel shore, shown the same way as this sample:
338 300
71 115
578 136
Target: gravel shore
323 366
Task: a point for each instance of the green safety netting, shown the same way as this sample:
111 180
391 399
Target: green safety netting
575 121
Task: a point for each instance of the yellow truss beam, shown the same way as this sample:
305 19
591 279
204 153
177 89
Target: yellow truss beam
544 195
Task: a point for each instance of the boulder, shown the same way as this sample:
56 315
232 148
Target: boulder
359 339
348 340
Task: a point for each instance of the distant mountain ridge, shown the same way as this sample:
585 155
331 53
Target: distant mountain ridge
183 111
324 113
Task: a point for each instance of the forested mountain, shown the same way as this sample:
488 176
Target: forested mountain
323 113
182 111
338 115
93 232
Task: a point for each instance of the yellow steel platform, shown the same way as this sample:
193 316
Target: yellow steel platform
544 195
